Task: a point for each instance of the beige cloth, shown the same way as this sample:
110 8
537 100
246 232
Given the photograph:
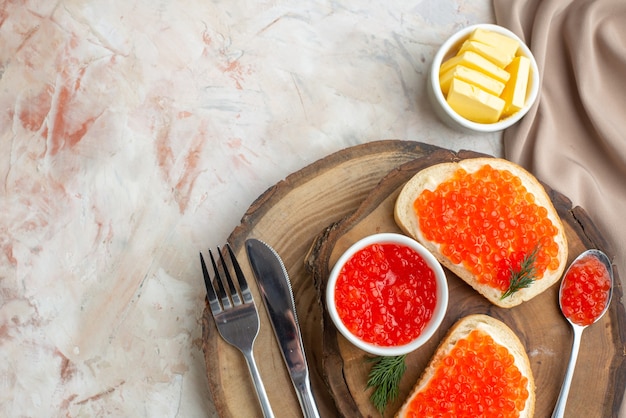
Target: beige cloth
574 138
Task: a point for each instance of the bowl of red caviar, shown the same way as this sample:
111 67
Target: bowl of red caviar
387 294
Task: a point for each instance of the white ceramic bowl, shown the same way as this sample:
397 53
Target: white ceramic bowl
438 312
438 100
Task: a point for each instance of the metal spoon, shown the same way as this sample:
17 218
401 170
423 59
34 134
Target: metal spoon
559 410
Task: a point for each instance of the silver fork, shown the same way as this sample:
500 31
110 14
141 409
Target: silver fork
236 316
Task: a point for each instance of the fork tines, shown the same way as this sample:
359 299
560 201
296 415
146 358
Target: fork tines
232 296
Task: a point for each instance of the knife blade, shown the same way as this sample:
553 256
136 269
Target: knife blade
277 295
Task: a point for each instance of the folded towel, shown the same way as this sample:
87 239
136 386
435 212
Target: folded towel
574 138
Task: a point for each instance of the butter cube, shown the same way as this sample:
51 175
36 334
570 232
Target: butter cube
514 93
499 56
505 44
473 60
474 103
469 75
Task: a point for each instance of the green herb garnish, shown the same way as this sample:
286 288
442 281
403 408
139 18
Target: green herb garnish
385 377
524 276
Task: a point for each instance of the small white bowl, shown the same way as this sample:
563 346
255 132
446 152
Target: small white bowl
438 100
438 312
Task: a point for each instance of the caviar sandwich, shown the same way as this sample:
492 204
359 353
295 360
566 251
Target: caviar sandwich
490 222
480 369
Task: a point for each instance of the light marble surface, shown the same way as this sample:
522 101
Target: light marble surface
135 133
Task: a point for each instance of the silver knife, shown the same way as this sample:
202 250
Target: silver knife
275 288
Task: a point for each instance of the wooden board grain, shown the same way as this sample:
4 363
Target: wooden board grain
539 323
326 197
289 216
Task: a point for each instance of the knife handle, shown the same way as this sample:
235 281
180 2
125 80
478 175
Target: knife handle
306 399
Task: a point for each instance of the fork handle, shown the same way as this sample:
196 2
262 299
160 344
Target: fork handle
258 385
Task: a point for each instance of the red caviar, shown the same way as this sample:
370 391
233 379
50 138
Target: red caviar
585 290
477 378
386 294
487 221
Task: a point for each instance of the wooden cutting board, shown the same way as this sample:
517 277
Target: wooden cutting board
317 212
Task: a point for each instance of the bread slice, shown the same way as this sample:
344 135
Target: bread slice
484 393
431 177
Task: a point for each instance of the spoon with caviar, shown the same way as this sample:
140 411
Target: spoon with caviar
584 297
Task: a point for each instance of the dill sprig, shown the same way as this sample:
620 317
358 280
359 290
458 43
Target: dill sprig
385 377
524 276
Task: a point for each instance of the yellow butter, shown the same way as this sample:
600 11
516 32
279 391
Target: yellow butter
474 103
499 56
469 75
473 60
505 44
514 93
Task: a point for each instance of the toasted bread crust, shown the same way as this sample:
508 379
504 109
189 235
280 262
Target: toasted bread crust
429 178
501 334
